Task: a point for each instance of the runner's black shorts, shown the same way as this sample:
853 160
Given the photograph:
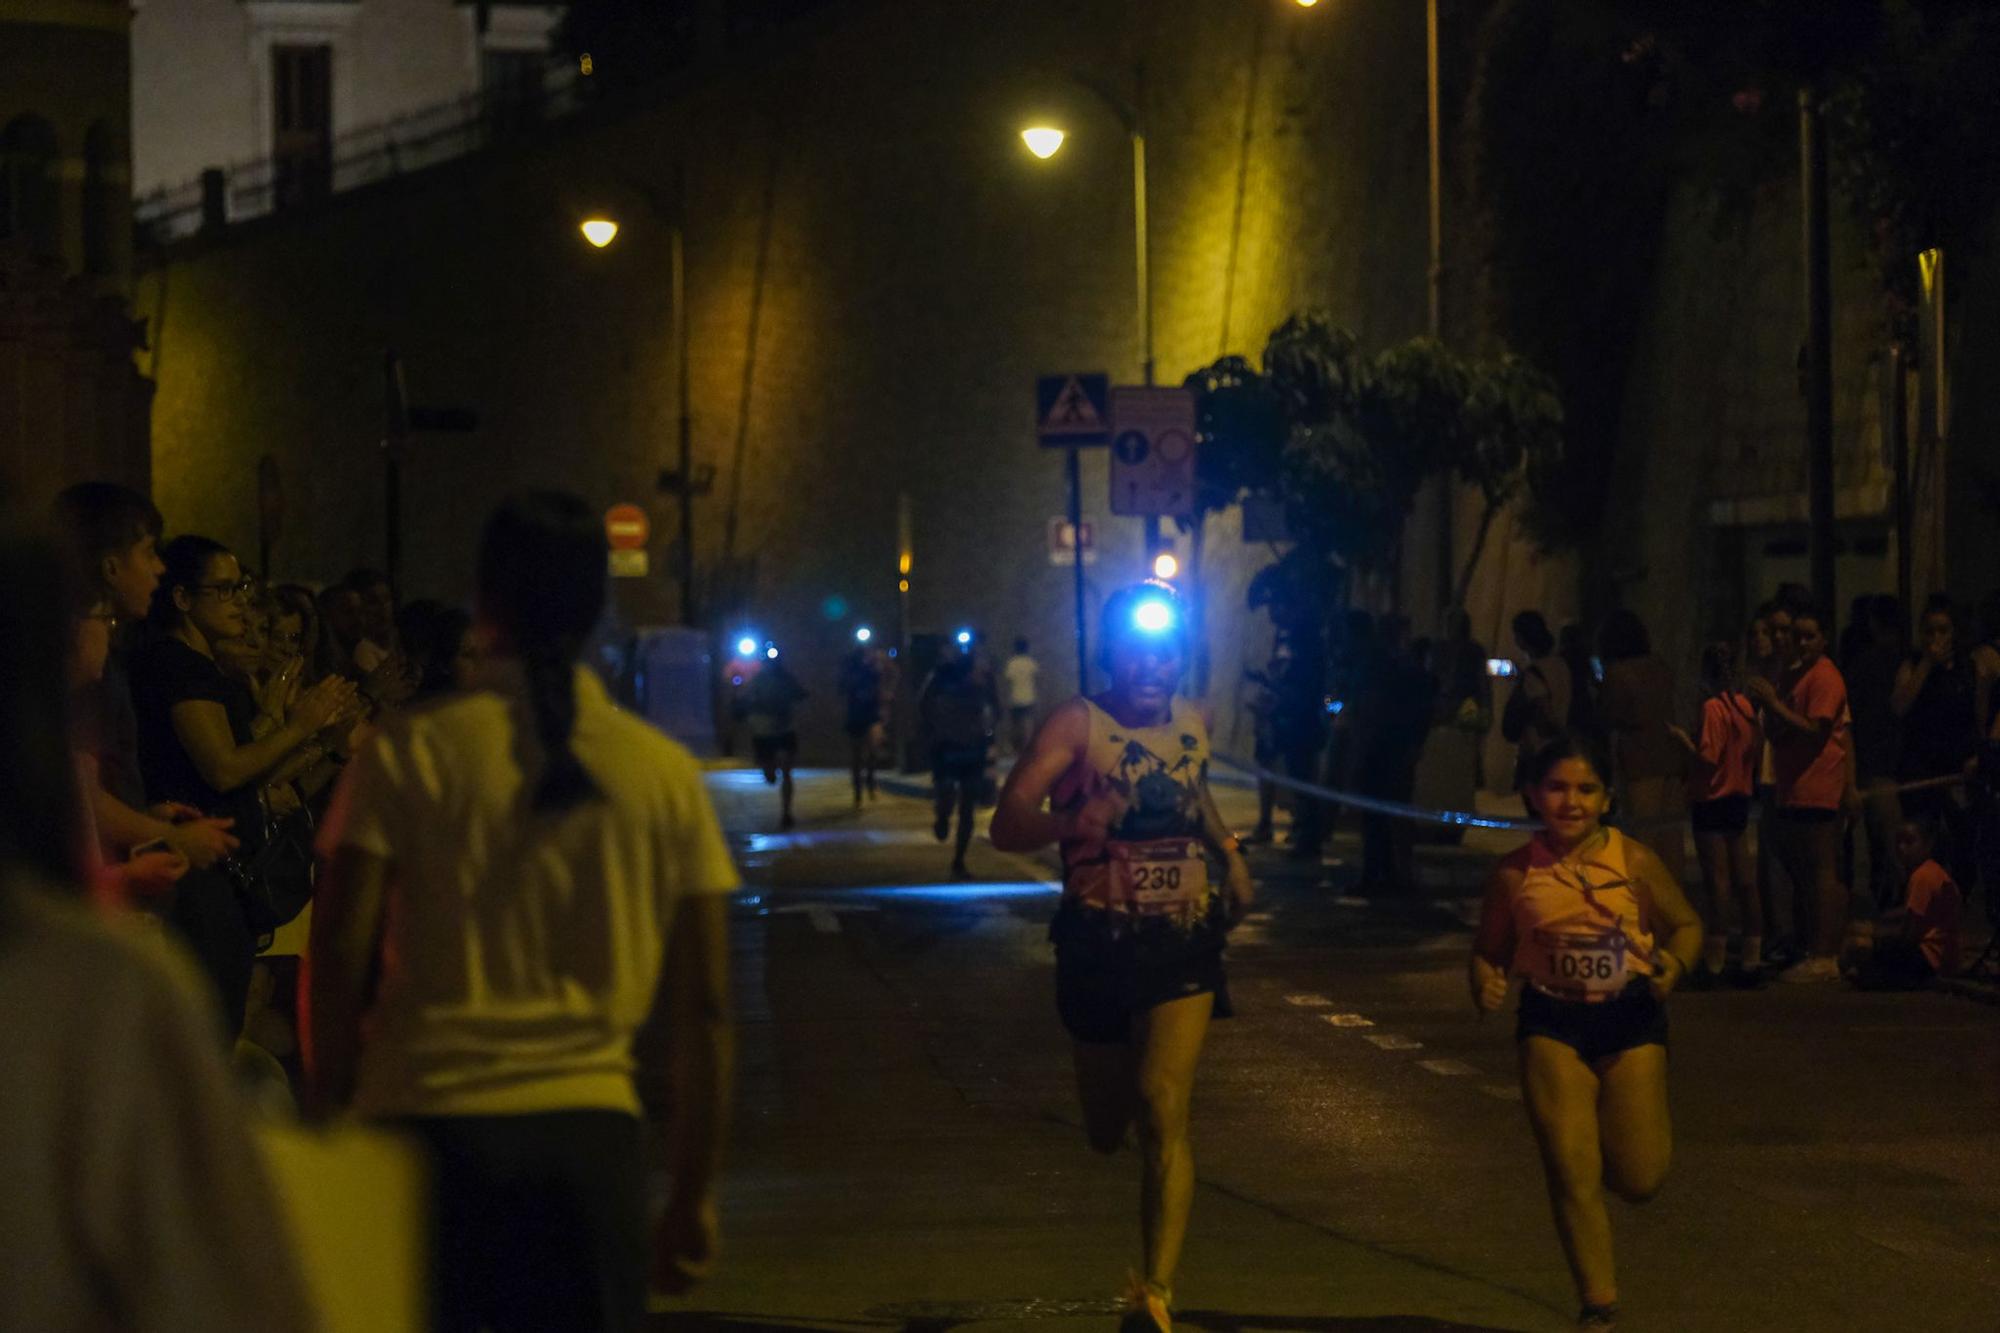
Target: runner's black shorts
1635 1017
1100 987
957 763
769 749
1727 815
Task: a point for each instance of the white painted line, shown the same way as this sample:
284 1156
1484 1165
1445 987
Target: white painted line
1506 1092
1309 1001
1448 1068
1394 1041
1350 1021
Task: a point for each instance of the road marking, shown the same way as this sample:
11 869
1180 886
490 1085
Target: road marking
1448 1068
1309 1001
1506 1092
1394 1041
1350 1021
825 918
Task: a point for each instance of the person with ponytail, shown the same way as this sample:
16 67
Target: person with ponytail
511 872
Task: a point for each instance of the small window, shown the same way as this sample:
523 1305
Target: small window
30 207
301 123
511 85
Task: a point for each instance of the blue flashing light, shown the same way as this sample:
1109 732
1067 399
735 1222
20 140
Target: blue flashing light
1335 705
964 638
746 646
863 634
1154 615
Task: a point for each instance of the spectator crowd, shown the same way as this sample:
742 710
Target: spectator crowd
1835 795
213 760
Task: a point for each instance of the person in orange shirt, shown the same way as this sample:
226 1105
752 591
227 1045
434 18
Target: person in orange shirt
1720 780
1917 942
1807 721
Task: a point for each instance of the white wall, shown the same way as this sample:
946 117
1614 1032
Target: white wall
201 94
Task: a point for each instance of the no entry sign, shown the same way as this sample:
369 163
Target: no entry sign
626 527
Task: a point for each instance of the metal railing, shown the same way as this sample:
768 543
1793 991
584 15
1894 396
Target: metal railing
360 157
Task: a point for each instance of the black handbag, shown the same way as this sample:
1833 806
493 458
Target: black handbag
274 871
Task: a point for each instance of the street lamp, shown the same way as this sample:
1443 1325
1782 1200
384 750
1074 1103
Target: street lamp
1165 566
1045 140
1042 140
599 230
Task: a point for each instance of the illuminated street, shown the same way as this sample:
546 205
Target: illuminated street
908 1153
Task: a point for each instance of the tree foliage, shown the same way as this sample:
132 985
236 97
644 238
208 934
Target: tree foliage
1346 441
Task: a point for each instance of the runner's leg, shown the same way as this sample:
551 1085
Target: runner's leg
1633 1122
786 759
1107 1090
968 805
1749 902
1829 894
855 746
1170 1037
1712 851
1562 1094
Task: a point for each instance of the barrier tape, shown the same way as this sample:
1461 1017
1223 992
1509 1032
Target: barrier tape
1470 819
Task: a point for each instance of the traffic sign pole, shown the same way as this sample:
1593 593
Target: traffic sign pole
1076 569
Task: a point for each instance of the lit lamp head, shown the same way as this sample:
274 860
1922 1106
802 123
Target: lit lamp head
599 231
1146 616
746 646
1044 141
863 634
963 638
771 652
1166 566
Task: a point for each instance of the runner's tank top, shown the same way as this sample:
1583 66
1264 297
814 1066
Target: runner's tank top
1152 877
1580 922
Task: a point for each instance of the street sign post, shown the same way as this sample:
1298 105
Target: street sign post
1073 412
1063 543
1152 451
627 529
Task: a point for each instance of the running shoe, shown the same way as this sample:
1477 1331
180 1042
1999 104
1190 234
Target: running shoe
1145 1307
1597 1318
942 828
1811 971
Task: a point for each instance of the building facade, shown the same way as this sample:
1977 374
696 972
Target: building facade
222 83
72 404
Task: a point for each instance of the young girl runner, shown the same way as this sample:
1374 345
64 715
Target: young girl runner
1601 934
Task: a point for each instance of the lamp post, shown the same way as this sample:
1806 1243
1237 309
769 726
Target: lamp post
600 230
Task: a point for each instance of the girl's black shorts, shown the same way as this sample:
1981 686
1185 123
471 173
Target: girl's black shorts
1635 1017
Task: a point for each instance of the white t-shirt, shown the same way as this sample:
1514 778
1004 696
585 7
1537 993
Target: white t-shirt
521 950
1021 672
131 1192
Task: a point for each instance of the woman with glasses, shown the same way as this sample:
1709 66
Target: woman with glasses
198 744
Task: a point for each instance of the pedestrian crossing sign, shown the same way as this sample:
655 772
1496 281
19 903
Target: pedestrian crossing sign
1073 410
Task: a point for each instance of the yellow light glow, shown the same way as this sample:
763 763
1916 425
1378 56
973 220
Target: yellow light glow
903 563
586 66
1042 140
1166 565
1307 4
902 585
600 232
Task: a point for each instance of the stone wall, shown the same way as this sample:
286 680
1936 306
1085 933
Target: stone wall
877 271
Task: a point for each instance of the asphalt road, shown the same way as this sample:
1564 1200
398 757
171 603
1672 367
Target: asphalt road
908 1154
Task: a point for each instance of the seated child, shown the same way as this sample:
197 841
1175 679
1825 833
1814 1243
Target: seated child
1918 941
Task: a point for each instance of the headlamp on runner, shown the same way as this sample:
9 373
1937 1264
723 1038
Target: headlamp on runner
963 638
863 635
746 646
771 651
1147 614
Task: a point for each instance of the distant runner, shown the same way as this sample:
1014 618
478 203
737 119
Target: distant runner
768 703
1140 932
1579 913
867 685
957 707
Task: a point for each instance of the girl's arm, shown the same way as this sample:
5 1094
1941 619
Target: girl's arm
1675 925
1493 945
